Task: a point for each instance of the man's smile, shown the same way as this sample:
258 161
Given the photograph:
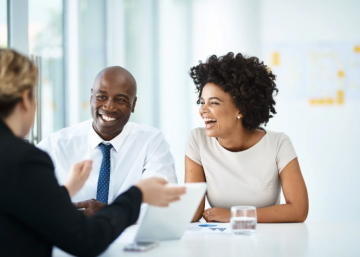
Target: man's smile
108 119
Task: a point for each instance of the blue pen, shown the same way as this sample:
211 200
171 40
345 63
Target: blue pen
207 225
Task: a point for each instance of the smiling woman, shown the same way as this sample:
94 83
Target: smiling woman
242 163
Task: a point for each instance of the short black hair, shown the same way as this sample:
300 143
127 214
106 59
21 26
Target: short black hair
250 83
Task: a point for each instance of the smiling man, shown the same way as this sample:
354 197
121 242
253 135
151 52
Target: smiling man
122 152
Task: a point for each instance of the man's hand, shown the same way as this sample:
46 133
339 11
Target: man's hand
217 215
91 206
155 192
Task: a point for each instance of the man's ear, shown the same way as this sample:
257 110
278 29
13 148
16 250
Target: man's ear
133 106
91 95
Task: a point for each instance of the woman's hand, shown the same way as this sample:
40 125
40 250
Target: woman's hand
217 215
155 192
78 174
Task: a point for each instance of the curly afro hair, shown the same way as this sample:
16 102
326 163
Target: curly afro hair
249 82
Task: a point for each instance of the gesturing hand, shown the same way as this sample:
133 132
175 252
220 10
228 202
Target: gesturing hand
78 174
155 192
91 206
217 215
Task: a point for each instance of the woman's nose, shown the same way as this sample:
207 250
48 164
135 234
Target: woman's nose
203 108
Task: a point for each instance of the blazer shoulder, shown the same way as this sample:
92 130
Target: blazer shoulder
17 158
22 152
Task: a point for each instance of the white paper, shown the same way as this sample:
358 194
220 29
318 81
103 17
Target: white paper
212 228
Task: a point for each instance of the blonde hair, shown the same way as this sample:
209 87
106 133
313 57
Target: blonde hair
17 74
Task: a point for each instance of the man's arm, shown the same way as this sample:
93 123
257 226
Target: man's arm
159 161
45 145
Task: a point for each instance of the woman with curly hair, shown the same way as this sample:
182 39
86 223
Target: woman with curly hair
242 163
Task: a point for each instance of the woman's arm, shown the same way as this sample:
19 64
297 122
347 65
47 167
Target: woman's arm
45 208
297 203
195 173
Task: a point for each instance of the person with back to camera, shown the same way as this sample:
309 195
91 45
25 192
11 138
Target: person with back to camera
242 163
35 212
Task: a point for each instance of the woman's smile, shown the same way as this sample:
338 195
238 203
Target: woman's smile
209 122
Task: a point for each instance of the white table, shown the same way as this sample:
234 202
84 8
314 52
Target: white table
293 239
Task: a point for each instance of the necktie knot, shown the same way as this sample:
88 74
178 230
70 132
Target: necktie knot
105 149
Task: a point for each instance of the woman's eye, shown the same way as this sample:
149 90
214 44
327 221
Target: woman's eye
202 103
214 103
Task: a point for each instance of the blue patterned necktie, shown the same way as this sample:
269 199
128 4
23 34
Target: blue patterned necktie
102 193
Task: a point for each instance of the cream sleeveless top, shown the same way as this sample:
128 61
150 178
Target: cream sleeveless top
249 177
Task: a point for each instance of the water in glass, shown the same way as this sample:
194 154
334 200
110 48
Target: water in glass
243 225
243 219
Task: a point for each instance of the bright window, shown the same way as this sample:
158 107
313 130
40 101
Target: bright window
3 23
46 41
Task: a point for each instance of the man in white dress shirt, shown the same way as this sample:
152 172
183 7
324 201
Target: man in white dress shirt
122 152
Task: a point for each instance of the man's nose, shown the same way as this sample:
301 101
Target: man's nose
109 105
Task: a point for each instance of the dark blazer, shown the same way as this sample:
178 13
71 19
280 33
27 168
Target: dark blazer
36 213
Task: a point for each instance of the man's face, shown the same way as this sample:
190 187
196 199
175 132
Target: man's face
113 98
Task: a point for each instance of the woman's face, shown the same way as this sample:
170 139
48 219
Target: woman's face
218 111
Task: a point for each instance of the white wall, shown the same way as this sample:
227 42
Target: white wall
220 27
326 139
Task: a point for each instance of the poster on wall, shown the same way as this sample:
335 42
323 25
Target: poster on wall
321 74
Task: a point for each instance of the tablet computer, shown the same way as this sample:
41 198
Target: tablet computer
166 223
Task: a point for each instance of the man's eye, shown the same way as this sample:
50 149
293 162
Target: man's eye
121 100
101 97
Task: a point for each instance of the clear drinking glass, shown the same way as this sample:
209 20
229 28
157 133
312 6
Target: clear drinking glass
243 219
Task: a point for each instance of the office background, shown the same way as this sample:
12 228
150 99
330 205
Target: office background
313 46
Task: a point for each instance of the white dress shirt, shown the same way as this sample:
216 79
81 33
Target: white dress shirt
139 151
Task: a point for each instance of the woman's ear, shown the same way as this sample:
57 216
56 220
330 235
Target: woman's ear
239 115
26 99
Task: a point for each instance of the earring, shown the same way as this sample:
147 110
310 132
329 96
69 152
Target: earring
239 117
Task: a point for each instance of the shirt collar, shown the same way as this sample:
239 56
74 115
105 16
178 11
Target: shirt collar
94 139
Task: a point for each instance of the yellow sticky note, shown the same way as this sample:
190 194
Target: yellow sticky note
340 95
357 49
276 58
341 74
312 101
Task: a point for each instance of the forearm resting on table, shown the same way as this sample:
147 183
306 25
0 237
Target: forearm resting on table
282 213
296 197
199 211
